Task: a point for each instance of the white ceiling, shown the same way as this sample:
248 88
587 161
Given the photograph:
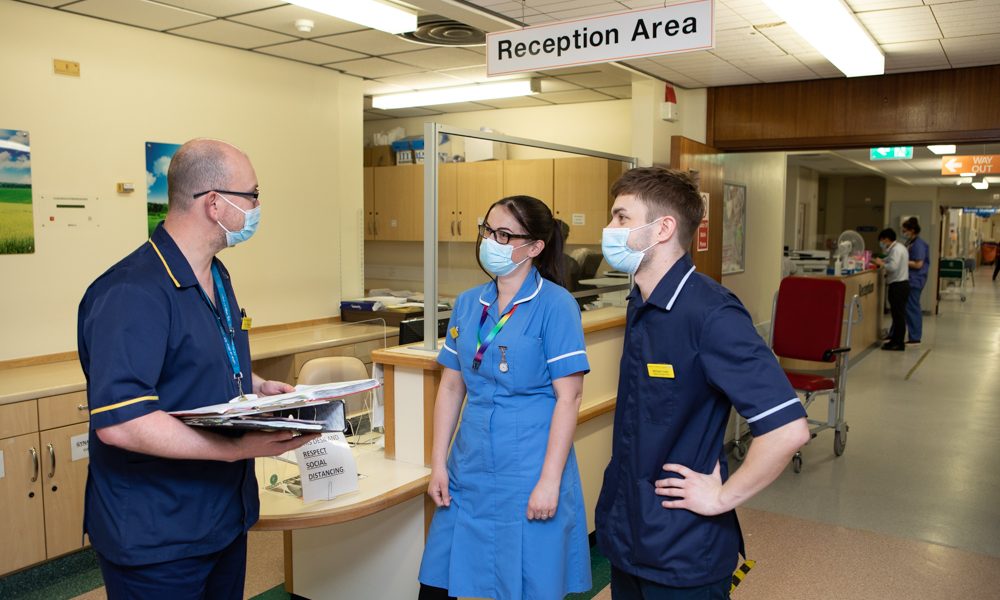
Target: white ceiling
752 46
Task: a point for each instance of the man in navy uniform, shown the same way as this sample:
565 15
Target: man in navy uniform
168 506
665 517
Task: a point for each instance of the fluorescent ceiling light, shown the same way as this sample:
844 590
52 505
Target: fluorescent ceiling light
831 28
462 93
967 174
942 149
980 185
370 13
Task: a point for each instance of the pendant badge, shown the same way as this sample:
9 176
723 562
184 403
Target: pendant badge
503 359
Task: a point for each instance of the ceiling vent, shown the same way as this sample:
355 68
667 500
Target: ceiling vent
433 30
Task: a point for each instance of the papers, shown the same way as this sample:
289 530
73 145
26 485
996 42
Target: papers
327 468
308 408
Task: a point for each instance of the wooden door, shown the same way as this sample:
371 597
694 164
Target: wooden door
706 163
398 198
581 197
448 202
369 210
21 503
64 482
478 185
529 178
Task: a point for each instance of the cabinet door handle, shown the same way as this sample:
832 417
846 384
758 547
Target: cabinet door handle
453 228
460 228
34 463
52 460
81 407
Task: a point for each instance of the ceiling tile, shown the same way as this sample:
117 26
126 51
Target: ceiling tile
620 91
418 81
223 8
140 14
574 96
901 25
372 87
370 41
914 56
231 34
598 79
49 3
596 7
754 11
585 11
478 74
517 102
972 51
310 52
412 112
972 17
867 5
726 18
551 84
374 68
282 19
775 68
439 58
539 19
745 44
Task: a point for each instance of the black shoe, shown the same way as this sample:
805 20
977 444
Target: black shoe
890 346
908 342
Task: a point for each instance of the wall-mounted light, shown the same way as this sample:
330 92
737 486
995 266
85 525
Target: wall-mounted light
831 28
304 25
942 149
370 13
980 185
462 93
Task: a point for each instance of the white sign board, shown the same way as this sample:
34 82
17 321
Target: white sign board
327 467
680 27
79 446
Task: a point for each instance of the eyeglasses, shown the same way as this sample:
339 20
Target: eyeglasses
254 194
501 236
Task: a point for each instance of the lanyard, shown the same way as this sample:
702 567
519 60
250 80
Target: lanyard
227 331
481 345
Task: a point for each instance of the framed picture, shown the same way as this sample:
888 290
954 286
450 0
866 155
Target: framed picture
734 228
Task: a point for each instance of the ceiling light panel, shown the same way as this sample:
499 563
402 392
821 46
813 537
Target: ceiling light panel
449 95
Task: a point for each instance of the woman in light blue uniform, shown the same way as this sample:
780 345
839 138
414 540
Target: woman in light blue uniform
510 521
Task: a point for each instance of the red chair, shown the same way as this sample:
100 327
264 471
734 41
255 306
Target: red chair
806 324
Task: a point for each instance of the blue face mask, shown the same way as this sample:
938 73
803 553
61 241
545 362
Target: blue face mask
251 218
496 257
614 245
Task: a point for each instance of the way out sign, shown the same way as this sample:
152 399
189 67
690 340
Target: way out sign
977 164
681 27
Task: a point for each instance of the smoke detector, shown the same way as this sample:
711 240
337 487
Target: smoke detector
304 25
434 30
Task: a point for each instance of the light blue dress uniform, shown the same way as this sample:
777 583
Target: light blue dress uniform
483 545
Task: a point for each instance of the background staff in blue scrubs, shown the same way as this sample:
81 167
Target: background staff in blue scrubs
665 517
168 506
919 265
510 522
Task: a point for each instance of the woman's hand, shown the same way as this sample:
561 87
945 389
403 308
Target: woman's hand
437 489
544 500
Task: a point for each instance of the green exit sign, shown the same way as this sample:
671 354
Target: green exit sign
891 153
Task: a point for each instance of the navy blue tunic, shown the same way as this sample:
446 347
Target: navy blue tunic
148 340
691 353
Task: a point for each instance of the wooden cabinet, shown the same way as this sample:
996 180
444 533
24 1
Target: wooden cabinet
42 487
369 203
581 189
21 502
477 186
529 178
450 214
397 203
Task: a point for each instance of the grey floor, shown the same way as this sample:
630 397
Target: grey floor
923 438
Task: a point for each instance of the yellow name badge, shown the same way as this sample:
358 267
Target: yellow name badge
664 371
454 333
247 322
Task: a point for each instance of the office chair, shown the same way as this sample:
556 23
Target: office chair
330 369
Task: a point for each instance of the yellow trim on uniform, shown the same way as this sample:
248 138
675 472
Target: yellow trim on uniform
165 265
125 403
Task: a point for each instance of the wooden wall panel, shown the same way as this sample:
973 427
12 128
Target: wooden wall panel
689 155
953 105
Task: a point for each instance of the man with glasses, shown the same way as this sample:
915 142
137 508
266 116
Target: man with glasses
168 506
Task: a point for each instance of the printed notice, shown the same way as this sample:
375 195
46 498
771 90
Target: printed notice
327 468
79 446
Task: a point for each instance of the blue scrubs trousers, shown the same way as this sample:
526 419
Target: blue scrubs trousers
914 318
630 587
216 576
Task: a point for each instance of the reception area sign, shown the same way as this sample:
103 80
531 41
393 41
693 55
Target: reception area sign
681 27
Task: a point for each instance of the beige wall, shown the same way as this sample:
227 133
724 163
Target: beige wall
763 173
300 125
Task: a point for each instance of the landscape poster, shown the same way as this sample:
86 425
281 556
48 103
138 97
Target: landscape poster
17 225
158 157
